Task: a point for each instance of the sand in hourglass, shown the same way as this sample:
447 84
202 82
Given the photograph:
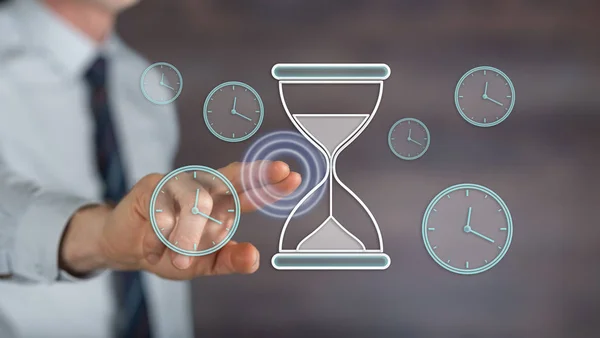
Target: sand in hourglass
330 131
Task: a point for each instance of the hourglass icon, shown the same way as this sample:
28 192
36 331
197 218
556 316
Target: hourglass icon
331 246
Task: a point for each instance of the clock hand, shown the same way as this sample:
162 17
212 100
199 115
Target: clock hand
162 79
469 218
409 132
244 116
415 142
496 102
234 102
198 212
482 236
196 201
166 85
484 96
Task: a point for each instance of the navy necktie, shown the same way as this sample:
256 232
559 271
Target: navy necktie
132 315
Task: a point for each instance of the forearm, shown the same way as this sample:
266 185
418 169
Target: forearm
32 223
80 251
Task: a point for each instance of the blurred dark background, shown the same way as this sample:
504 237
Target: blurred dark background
543 160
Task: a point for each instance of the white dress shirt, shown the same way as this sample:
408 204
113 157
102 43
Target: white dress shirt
48 171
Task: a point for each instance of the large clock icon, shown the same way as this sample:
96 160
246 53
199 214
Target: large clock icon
467 229
161 83
233 111
204 203
484 96
409 139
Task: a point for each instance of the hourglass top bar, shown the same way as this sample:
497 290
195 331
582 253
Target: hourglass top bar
331 71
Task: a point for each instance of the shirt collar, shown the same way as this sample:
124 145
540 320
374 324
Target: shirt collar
67 47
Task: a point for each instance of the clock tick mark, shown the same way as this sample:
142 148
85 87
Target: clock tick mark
213 242
499 247
162 229
467 192
485 196
485 260
195 246
194 174
230 210
502 229
431 229
448 261
435 247
467 264
484 72
499 209
434 210
159 210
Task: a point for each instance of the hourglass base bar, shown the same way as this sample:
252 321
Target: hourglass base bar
330 261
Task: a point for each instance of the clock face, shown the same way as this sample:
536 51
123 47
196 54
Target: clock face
467 229
484 96
194 210
161 83
233 111
409 139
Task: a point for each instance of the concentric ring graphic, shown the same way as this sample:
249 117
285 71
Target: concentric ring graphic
273 147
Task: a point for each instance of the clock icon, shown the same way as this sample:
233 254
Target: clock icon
409 138
484 96
161 83
205 205
467 229
233 111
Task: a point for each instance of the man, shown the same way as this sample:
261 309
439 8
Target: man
76 131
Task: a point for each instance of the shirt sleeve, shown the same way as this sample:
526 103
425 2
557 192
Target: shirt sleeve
32 222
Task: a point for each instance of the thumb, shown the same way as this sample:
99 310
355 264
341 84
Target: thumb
137 203
141 193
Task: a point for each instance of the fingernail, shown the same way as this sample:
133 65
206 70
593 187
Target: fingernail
153 258
181 262
256 259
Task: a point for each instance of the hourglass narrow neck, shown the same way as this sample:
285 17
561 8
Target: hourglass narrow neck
330 131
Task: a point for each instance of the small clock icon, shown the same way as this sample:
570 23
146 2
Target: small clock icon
233 111
161 83
409 138
467 229
484 96
195 196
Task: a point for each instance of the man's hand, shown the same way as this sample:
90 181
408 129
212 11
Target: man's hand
123 239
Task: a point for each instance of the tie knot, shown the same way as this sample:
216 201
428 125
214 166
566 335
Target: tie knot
96 74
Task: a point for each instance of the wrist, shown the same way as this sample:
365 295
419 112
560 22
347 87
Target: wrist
80 251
